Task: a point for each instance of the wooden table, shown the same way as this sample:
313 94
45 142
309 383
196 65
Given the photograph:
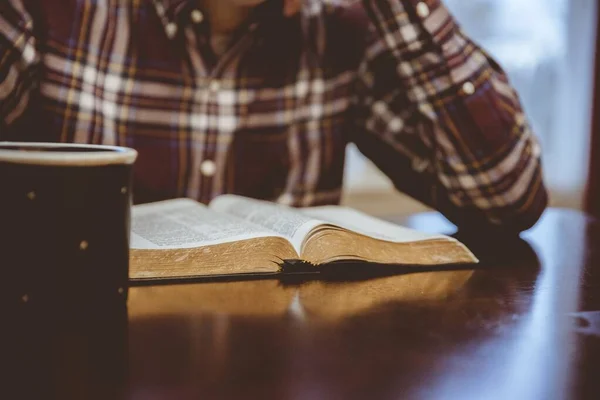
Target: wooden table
525 324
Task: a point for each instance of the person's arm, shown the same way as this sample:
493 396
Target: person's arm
18 61
438 116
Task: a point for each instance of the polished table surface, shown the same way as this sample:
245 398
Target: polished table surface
524 324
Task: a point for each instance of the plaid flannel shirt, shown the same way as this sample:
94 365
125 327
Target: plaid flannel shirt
272 116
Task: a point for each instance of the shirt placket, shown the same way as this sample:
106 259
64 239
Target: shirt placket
221 100
212 117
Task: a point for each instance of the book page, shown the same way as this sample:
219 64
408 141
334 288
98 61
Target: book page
184 223
284 220
359 222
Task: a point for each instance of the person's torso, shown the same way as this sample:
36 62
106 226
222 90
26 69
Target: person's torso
269 120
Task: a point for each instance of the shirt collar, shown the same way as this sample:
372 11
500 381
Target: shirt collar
174 7
170 13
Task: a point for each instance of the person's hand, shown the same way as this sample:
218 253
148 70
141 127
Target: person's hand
291 7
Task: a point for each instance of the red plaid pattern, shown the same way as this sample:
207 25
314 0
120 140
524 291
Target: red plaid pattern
271 118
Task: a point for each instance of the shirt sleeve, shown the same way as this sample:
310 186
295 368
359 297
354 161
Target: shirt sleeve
18 60
439 117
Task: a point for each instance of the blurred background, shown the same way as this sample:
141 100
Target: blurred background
547 48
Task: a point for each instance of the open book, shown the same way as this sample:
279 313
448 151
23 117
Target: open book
181 238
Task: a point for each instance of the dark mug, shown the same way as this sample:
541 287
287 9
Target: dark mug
64 223
64 257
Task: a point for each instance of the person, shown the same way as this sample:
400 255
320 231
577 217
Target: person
260 98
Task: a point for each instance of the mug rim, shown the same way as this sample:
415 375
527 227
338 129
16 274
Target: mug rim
106 155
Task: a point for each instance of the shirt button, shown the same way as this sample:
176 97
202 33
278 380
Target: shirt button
197 16
422 10
208 168
468 88
171 30
214 86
